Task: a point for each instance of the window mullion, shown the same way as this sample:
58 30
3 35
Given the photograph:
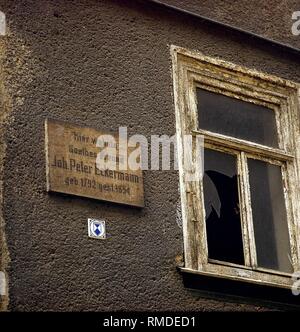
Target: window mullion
246 212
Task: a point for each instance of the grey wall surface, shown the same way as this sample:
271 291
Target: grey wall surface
269 18
103 64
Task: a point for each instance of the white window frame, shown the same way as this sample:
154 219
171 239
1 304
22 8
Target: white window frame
192 69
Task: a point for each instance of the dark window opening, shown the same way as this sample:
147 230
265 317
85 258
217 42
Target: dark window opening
236 118
223 224
269 216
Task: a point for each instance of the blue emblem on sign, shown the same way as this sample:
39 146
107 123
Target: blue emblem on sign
96 228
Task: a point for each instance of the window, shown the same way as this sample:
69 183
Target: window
241 219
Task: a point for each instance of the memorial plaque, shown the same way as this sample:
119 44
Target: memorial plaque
73 168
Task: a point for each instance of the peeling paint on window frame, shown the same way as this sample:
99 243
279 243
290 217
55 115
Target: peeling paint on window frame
192 69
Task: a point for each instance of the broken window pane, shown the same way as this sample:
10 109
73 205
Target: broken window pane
269 216
233 117
223 225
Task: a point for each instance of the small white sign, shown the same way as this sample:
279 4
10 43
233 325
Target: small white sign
96 229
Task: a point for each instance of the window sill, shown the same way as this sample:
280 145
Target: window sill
251 290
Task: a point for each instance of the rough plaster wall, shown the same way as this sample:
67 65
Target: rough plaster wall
269 18
17 70
4 256
104 64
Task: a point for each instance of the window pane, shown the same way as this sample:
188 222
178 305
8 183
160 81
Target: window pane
236 118
269 216
223 225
